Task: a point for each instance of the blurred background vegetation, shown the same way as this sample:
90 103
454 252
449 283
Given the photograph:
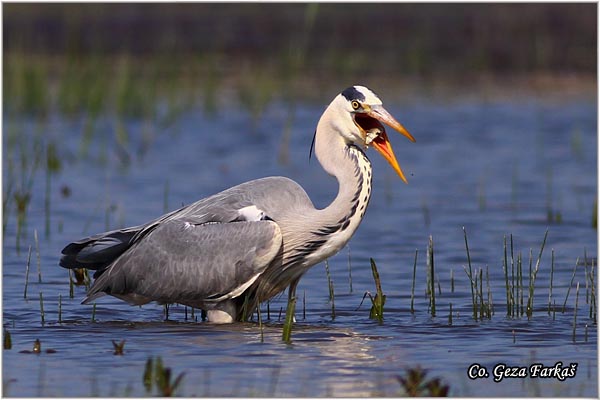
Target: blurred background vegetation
90 58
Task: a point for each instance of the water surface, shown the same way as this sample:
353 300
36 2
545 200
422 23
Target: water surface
495 168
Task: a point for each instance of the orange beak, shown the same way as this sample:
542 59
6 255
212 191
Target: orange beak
382 144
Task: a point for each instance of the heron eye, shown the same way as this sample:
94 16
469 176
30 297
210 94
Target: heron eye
355 105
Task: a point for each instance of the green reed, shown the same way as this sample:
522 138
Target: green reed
490 301
6 340
585 267
415 383
289 313
431 275
37 255
71 285
512 269
60 308
570 285
482 307
159 375
533 276
42 314
29 156
27 272
470 273
379 300
505 267
515 304
575 312
551 280
593 309
289 320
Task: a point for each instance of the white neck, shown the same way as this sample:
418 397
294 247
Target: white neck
352 169
319 234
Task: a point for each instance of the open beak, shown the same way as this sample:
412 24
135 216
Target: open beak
381 143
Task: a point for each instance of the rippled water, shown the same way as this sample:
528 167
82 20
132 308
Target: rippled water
495 168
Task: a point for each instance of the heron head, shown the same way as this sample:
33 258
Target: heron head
361 118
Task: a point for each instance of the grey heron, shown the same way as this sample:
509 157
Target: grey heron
248 243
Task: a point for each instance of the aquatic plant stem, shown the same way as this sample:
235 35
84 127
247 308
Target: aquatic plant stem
470 273
59 308
593 309
505 266
575 312
412 290
289 313
379 300
27 272
513 293
431 271
42 308
570 284
37 255
533 276
551 281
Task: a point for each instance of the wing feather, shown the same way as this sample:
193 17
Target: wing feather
189 263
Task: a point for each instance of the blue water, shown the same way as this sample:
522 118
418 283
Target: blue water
495 168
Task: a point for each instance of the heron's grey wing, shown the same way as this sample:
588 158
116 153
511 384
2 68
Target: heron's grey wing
97 252
180 262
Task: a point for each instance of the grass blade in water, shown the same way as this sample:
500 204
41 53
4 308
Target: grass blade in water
379 299
59 308
470 272
42 308
27 272
532 277
431 269
289 313
570 284
412 290
551 282
575 311
505 266
37 255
